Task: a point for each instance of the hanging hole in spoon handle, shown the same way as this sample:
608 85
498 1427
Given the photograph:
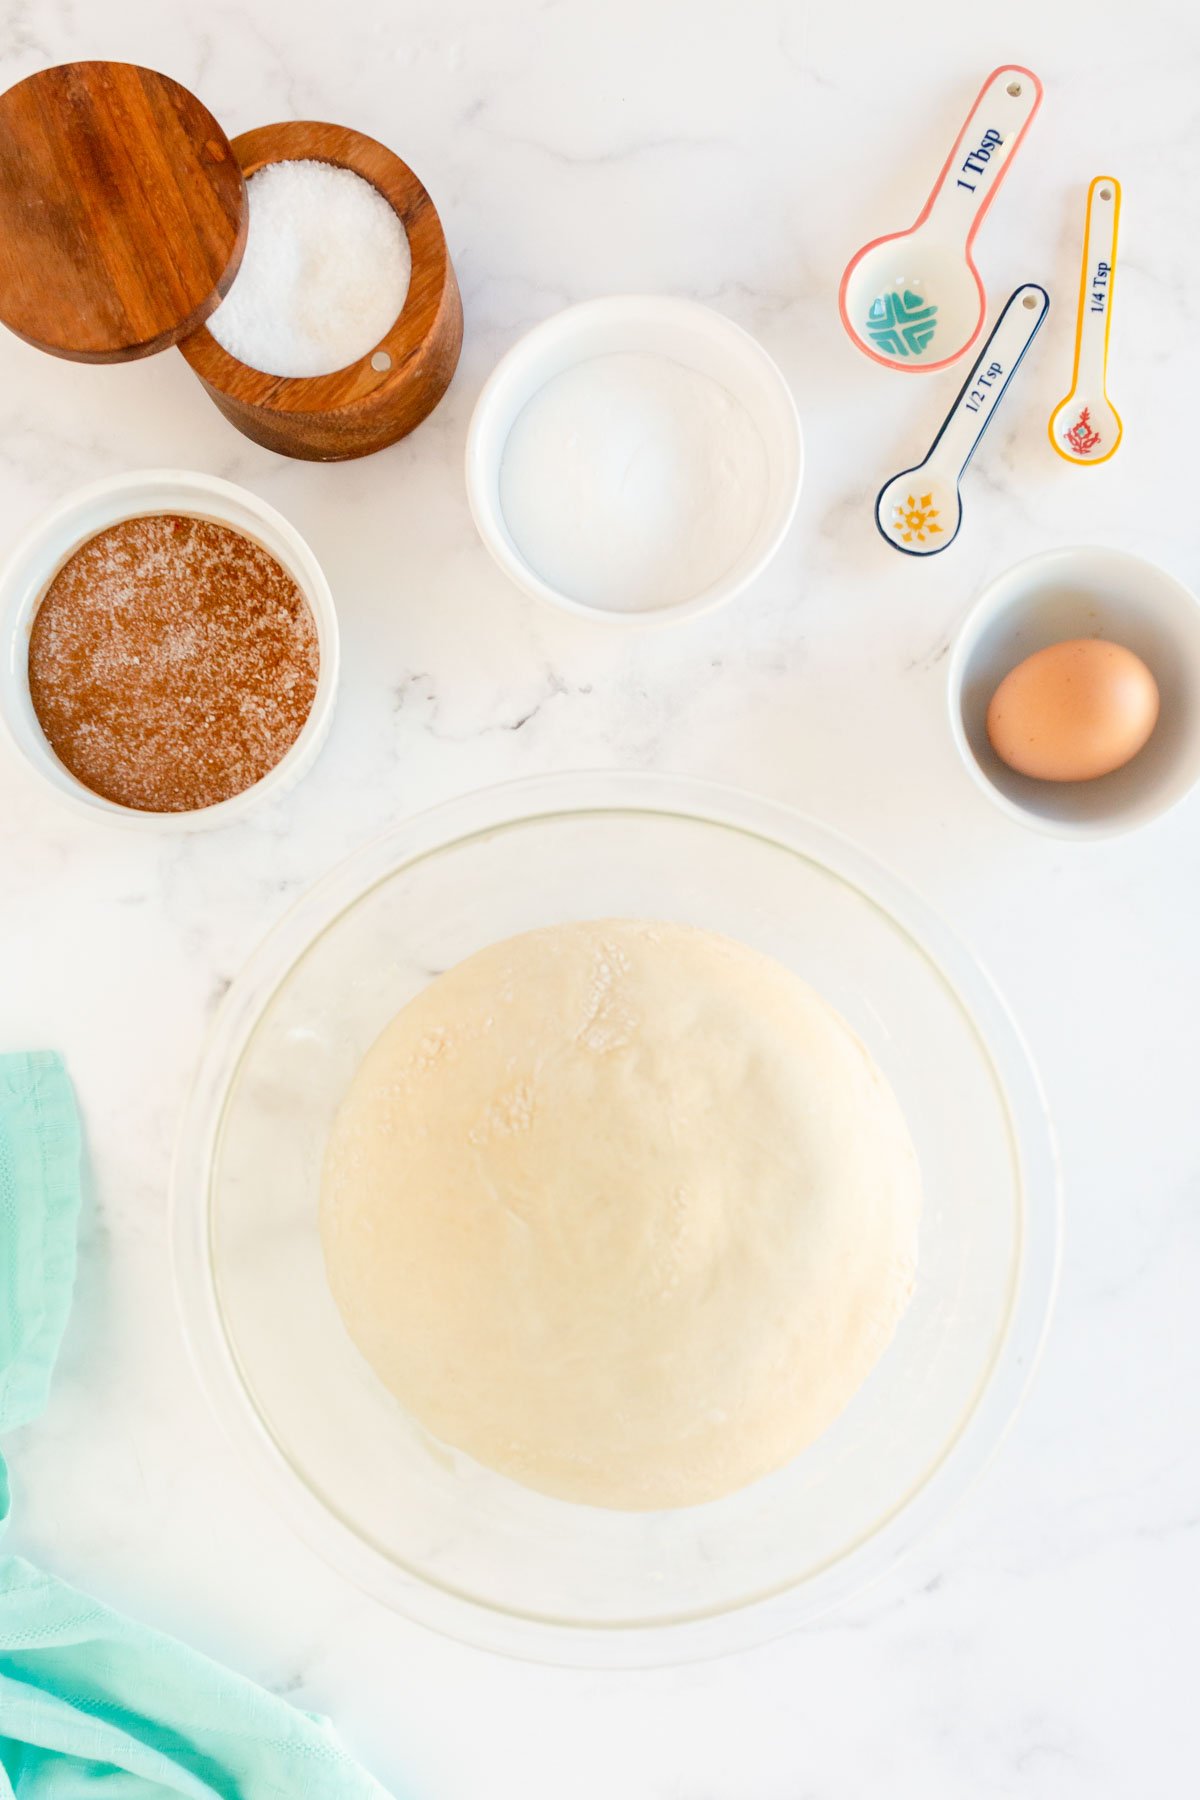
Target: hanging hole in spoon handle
982 152
1085 427
985 387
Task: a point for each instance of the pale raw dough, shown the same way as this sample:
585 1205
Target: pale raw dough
624 1210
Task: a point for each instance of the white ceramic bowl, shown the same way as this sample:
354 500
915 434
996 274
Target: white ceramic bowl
1089 591
421 1526
32 566
687 333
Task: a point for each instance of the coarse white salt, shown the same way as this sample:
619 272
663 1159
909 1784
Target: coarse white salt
324 276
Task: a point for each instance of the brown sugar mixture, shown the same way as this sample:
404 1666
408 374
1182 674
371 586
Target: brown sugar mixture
172 663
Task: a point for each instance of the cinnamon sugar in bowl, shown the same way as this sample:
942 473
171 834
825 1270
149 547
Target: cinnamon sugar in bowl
170 650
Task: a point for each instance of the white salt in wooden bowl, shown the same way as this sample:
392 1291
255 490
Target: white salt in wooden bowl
386 392
36 560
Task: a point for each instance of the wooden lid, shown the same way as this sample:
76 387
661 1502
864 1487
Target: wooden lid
123 211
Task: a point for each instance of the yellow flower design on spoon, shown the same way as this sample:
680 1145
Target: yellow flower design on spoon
916 519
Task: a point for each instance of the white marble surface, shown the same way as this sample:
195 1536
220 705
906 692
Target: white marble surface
736 150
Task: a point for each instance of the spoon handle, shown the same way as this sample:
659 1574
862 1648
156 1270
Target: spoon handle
982 152
984 388
1096 278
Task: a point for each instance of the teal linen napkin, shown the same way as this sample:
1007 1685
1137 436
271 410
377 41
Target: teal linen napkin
91 1704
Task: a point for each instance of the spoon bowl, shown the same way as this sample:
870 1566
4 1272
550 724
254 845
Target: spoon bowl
913 302
919 510
1086 427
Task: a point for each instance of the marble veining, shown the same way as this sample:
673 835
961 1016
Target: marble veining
1035 1647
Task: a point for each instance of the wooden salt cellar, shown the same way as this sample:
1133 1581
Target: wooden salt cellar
123 218
388 392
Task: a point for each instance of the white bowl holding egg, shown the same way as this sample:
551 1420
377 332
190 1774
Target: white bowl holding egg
1087 591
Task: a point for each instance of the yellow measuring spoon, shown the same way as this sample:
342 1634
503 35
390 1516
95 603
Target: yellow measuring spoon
1086 426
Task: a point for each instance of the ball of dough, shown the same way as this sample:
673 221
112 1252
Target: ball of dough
623 1210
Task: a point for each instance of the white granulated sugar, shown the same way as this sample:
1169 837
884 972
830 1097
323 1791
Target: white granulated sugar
324 276
630 482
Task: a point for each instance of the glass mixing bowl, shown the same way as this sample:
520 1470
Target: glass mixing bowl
423 1527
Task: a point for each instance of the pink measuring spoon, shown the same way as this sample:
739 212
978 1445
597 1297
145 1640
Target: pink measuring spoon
914 300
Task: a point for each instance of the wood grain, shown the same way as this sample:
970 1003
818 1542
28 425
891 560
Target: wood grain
358 409
122 211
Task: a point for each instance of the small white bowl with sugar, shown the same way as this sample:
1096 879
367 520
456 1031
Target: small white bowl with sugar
634 460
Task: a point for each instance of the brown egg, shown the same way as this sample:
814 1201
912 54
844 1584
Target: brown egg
1073 711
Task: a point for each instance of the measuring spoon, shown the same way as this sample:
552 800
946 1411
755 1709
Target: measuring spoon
1086 426
914 300
919 511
